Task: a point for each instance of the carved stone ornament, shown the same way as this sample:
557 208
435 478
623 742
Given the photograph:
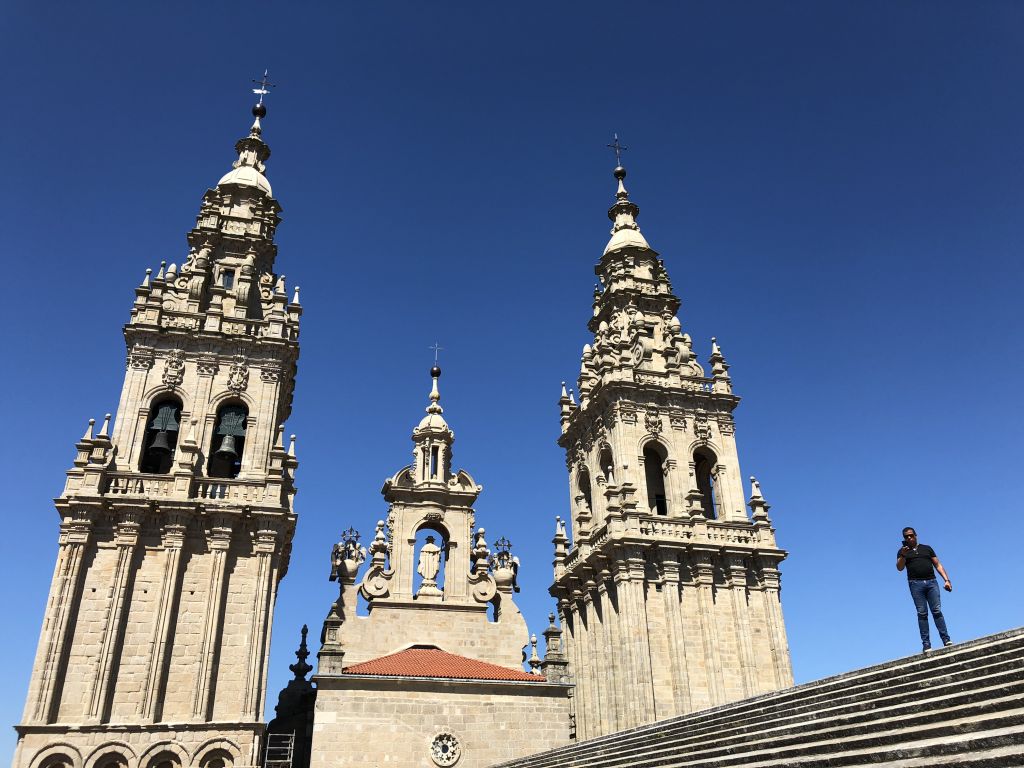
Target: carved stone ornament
270 372
628 413
207 366
174 368
238 376
677 420
701 426
445 749
726 425
140 357
652 422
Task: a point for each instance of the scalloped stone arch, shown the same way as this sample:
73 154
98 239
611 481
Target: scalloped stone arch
117 747
59 748
208 749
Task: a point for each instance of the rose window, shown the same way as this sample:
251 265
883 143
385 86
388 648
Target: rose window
445 749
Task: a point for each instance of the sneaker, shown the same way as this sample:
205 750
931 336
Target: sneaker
926 649
947 643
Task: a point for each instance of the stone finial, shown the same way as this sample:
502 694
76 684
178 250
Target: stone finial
291 447
346 556
535 661
758 506
295 295
105 429
301 668
88 430
160 274
145 280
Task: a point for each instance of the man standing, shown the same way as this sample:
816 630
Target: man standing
918 559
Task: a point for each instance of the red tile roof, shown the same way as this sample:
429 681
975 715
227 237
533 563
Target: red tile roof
428 661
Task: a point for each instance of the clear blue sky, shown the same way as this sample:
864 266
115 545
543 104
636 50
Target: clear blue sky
836 189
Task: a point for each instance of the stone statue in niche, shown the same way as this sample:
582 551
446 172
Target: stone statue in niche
428 567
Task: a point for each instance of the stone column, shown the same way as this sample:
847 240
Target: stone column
173 542
674 626
777 627
112 636
58 627
741 621
263 605
219 541
632 598
705 580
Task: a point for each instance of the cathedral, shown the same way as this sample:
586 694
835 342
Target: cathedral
177 519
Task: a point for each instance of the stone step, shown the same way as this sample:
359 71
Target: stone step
956 706
912 671
730 724
810 738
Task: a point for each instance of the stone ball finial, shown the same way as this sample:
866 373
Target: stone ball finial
259 110
435 372
619 172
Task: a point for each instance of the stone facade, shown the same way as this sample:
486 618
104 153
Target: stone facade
669 592
386 721
463 604
176 522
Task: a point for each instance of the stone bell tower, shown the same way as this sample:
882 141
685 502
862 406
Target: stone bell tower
176 519
669 591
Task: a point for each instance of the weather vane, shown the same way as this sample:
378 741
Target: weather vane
437 348
263 84
619 149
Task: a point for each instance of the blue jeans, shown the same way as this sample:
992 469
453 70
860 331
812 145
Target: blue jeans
926 596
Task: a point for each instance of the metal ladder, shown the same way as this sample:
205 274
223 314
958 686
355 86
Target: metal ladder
280 750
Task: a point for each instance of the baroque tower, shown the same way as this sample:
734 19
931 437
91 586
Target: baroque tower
176 518
669 591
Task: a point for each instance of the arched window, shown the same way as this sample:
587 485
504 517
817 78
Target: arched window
165 760
111 760
59 760
704 462
161 436
228 441
654 469
607 465
584 496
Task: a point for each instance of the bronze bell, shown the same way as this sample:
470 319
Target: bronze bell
227 449
160 443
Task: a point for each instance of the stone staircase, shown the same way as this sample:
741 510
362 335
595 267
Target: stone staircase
959 706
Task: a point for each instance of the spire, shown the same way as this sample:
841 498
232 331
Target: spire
433 423
252 151
301 668
624 212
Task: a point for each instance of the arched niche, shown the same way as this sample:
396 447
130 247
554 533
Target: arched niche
430 558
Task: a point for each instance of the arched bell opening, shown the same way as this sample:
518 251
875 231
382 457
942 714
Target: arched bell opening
228 443
607 465
161 438
704 462
655 457
584 494
430 561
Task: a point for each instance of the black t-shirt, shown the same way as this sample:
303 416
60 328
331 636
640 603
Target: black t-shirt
919 562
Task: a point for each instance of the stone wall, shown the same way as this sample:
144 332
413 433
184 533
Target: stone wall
377 721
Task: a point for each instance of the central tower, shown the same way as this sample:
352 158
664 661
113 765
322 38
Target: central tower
669 591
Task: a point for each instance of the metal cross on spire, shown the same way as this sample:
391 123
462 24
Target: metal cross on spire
264 84
619 149
437 348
